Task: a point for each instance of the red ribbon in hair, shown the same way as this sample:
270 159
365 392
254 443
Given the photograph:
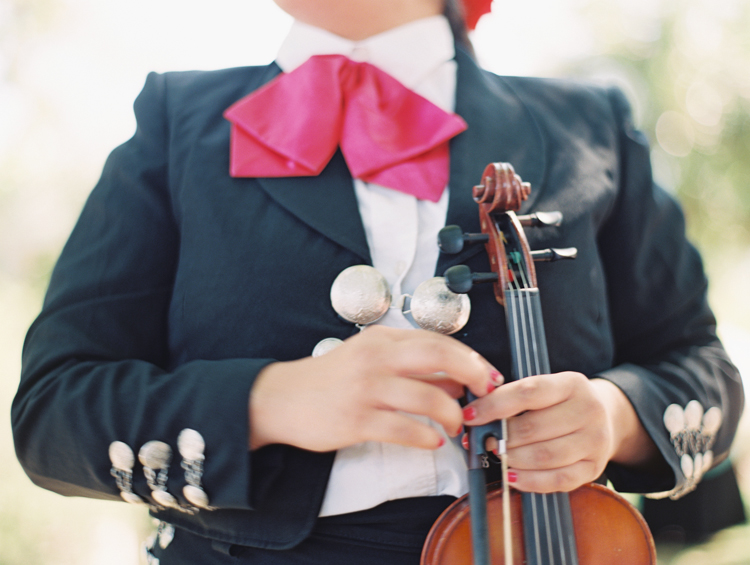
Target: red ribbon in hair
475 9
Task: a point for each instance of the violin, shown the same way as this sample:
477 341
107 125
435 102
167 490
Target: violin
493 525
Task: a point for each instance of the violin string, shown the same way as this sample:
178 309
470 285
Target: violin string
519 307
513 304
527 307
558 525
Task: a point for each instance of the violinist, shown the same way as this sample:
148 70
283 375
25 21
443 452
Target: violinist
171 365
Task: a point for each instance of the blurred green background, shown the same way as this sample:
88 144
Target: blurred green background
70 69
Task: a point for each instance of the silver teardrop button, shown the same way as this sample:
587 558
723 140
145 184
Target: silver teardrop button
155 454
693 415
674 419
191 445
163 498
121 455
131 497
195 496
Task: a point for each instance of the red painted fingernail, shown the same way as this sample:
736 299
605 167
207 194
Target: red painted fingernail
512 477
465 442
497 376
441 443
460 429
469 413
490 387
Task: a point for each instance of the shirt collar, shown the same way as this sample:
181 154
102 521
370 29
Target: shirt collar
409 53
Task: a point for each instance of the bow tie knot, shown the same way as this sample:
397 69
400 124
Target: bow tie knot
388 134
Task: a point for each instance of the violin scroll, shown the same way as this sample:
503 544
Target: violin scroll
501 190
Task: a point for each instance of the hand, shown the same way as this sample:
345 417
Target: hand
563 429
364 390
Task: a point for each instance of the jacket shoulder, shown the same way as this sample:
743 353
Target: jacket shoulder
568 100
188 92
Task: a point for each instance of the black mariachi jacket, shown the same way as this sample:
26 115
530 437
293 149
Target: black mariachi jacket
179 284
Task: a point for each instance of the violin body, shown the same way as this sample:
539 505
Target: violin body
608 531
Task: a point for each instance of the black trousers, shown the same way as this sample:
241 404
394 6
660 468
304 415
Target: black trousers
390 534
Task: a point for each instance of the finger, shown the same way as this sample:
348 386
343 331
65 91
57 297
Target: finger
394 427
564 479
449 386
548 455
532 393
416 397
542 425
428 353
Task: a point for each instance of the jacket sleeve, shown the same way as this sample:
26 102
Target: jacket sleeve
669 361
98 383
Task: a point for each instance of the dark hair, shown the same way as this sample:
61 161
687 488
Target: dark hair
454 11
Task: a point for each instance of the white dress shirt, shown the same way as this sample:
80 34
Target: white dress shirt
402 236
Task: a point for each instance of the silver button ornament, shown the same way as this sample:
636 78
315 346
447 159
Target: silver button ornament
360 295
191 446
121 456
436 308
693 415
693 433
674 419
697 467
165 534
196 496
708 461
163 498
686 463
123 459
326 345
155 456
712 421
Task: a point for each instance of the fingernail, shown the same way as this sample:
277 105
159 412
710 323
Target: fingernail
512 477
460 429
469 413
465 442
441 443
490 387
497 376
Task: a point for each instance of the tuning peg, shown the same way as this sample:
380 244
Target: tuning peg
541 219
451 239
554 254
460 279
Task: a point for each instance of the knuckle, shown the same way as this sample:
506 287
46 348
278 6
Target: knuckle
364 386
543 456
528 388
523 429
600 437
562 481
435 352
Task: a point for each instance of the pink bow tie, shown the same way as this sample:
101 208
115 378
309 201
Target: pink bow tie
388 134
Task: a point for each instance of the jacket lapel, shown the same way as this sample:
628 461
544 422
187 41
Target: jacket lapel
501 129
326 202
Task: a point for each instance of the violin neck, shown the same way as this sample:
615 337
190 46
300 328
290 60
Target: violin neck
523 311
548 523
